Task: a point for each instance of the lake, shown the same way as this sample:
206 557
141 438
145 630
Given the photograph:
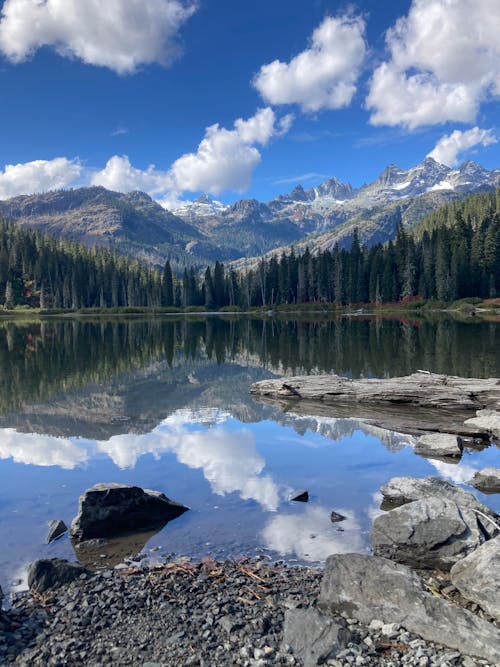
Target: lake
165 404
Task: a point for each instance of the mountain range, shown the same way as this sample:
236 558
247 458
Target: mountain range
205 230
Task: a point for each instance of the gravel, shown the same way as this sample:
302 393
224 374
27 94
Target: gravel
208 614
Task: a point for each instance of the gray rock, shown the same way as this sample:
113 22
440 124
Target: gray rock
336 517
368 587
117 509
402 490
440 445
313 636
487 480
52 572
476 577
429 533
486 420
57 528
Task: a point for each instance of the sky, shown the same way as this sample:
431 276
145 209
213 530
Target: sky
242 99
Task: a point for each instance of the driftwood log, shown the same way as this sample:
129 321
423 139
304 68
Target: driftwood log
415 403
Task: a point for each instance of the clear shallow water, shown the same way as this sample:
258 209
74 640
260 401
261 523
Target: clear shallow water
166 406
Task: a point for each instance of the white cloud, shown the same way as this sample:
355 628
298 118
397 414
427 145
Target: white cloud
118 34
444 61
449 148
311 536
226 159
120 175
40 450
229 460
37 176
324 75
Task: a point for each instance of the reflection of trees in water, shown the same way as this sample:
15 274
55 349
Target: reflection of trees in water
39 359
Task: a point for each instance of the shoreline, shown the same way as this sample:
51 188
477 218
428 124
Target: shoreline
208 613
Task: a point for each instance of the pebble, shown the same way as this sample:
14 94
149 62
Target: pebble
226 614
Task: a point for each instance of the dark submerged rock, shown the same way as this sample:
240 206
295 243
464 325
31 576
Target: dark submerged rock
300 497
336 517
52 572
117 509
57 528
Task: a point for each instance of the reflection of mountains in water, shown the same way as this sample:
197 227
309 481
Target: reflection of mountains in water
101 379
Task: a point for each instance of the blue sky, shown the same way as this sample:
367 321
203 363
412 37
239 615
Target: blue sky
121 93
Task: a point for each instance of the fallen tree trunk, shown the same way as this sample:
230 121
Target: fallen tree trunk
415 403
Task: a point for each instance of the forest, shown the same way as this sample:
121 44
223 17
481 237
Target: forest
453 254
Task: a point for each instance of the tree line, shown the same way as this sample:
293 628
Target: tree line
454 253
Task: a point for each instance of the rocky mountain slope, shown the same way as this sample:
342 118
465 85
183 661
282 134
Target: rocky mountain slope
205 230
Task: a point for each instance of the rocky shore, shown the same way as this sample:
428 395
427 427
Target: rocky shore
249 613
428 596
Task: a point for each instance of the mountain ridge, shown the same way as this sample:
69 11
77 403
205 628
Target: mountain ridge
207 230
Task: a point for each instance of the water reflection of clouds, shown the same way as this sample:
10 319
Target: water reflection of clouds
459 473
40 450
311 535
229 459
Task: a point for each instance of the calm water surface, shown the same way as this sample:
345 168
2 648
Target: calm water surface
165 405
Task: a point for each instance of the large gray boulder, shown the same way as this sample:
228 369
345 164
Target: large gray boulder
367 587
486 420
439 445
487 480
313 636
402 490
52 572
477 577
107 510
429 533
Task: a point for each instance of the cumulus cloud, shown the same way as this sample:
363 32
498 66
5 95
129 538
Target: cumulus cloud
311 535
324 75
118 34
451 146
444 61
229 460
225 160
40 450
120 175
38 176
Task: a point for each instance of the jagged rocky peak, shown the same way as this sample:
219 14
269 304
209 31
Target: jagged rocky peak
334 188
246 207
203 206
298 194
204 199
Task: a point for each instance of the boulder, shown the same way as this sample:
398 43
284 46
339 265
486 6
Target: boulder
487 480
486 420
336 517
57 528
313 636
367 587
439 445
476 577
429 533
401 490
52 572
117 509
